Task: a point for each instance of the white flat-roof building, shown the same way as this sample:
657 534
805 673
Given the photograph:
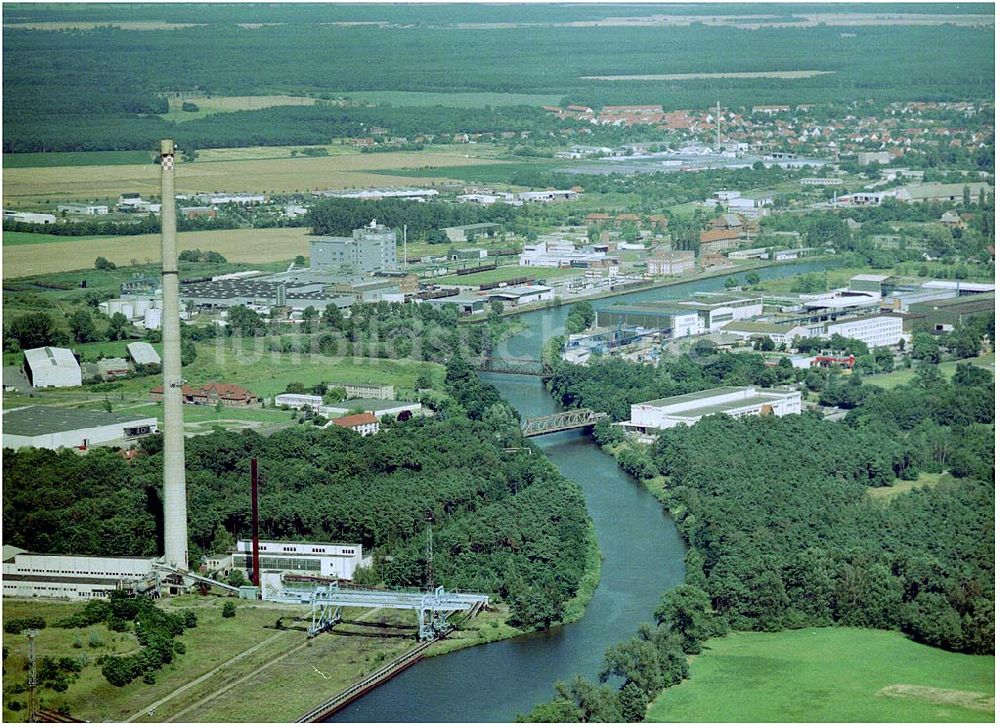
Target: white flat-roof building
718 309
58 576
51 366
142 352
366 391
55 427
520 295
339 560
874 330
299 401
36 218
378 407
74 208
687 409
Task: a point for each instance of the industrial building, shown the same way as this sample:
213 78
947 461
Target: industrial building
337 560
515 296
51 366
665 317
143 353
73 208
947 314
368 249
299 401
874 330
464 233
377 407
57 576
687 409
263 294
662 262
563 254
56 427
718 309
366 391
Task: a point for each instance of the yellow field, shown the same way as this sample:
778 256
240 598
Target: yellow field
239 246
38 184
688 76
215 104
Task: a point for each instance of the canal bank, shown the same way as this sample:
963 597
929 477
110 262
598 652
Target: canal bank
643 557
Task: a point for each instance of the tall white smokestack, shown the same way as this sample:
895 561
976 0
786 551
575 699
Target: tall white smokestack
175 540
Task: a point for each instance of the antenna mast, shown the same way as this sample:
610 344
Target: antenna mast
32 677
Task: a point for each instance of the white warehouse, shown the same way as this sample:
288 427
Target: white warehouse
55 427
299 401
51 366
687 409
339 560
874 330
57 576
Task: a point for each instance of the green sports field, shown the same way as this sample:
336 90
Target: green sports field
829 675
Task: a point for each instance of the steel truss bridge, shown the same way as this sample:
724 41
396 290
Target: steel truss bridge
432 608
526 367
560 421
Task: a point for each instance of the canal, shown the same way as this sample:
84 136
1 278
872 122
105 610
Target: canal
643 557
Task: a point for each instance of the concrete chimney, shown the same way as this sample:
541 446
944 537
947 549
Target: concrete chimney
175 538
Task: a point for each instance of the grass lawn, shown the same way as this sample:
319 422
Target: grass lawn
13 238
904 486
267 373
209 644
506 273
74 159
829 675
947 369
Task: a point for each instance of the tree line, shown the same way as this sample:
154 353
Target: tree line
504 523
783 534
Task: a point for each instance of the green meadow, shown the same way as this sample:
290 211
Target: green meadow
829 675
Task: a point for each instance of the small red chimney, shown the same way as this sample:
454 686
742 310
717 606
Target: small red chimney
255 516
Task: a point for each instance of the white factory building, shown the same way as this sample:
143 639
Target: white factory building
519 295
56 576
687 409
874 330
557 254
51 366
55 427
718 309
339 560
378 407
299 401
143 353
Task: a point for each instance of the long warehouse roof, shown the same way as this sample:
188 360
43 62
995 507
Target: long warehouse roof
35 420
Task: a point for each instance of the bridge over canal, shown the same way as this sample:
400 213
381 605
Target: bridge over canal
561 421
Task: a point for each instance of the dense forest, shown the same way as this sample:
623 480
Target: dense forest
783 534
504 523
423 220
95 89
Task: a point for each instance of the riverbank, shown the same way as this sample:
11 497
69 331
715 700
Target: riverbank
742 267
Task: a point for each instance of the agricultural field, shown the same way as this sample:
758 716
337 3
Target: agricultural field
829 675
258 246
221 104
74 159
463 100
24 186
492 172
16 238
